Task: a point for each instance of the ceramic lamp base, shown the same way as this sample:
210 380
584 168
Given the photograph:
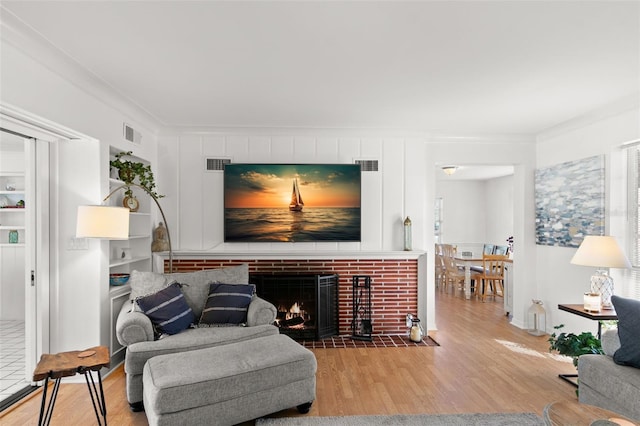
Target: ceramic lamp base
602 284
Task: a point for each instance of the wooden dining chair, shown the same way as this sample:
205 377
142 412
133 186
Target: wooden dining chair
502 250
448 250
454 276
488 249
441 272
492 275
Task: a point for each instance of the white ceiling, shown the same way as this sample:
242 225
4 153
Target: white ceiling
449 66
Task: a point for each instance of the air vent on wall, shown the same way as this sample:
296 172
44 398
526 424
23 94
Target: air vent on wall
131 134
368 165
216 164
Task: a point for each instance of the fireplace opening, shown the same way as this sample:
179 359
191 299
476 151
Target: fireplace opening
307 304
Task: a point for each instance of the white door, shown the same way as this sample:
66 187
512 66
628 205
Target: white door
24 251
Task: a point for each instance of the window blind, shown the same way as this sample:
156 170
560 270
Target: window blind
630 285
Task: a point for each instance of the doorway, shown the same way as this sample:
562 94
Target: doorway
475 207
23 198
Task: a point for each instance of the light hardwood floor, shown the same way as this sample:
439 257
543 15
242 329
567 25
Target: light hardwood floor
483 364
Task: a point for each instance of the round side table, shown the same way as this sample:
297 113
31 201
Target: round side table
562 413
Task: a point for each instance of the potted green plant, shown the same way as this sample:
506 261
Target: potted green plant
128 172
574 345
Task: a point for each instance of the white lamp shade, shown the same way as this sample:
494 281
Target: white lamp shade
600 251
106 222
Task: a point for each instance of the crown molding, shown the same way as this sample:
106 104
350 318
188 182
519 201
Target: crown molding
338 132
620 106
362 133
31 125
31 43
481 138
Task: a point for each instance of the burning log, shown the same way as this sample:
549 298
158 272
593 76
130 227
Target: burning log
291 322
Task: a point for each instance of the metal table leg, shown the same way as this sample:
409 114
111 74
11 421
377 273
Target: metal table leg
97 399
52 402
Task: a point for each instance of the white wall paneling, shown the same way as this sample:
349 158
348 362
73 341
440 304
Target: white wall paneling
386 198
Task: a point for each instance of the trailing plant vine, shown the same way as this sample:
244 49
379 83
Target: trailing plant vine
129 170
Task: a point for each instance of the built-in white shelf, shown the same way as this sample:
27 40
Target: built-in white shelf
10 227
135 237
116 290
12 245
123 262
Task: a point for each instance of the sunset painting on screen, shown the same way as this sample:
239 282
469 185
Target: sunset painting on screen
291 202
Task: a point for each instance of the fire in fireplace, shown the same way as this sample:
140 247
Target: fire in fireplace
293 317
307 304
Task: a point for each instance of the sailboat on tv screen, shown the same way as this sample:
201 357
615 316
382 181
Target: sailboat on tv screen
296 204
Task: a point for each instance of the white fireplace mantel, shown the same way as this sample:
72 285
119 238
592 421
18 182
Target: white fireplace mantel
294 255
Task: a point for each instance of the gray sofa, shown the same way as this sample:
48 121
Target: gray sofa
135 331
605 384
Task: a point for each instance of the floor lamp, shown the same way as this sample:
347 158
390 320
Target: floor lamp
111 222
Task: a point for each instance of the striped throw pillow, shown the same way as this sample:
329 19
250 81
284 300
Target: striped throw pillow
227 304
167 309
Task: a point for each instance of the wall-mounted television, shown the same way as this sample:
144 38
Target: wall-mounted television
291 202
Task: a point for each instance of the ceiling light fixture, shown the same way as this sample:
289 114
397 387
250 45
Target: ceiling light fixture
449 170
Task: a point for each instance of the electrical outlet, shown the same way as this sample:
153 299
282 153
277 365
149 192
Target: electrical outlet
78 244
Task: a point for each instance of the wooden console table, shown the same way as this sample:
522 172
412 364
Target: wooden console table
66 364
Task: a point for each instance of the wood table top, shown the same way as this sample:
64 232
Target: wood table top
65 364
574 413
578 309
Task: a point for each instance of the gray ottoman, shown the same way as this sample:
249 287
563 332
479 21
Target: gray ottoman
230 384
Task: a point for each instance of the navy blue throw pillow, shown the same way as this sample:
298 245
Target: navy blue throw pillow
628 311
227 304
167 309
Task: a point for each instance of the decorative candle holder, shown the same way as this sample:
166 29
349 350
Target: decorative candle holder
407 234
537 318
592 302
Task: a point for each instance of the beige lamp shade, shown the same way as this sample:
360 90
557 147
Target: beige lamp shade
107 222
600 251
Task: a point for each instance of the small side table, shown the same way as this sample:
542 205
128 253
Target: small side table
578 309
65 364
563 413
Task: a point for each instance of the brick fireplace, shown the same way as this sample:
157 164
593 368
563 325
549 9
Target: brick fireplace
394 282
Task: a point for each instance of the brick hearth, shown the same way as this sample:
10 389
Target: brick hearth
394 284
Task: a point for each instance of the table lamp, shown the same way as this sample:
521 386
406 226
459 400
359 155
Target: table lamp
601 251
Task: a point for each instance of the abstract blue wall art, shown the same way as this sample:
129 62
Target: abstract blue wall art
570 201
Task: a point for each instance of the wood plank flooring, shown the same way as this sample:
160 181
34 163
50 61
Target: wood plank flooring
483 364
